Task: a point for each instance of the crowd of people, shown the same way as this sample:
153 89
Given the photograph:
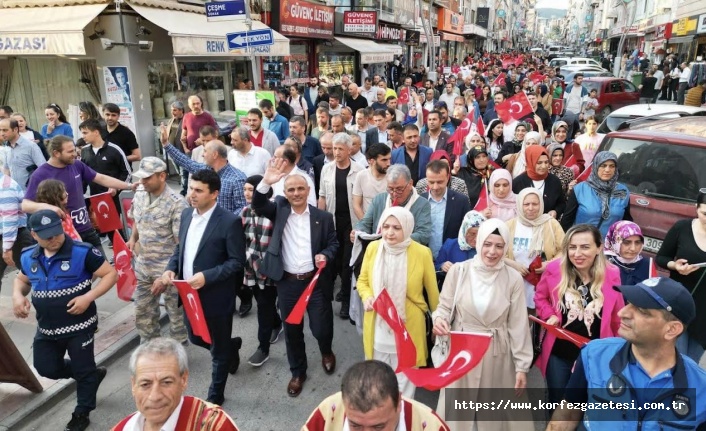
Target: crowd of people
366 184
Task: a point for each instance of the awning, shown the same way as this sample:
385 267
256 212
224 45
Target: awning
371 52
451 37
192 35
54 30
682 39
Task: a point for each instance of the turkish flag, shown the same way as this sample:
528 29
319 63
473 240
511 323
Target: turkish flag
480 127
570 162
406 351
459 136
297 314
500 80
127 281
466 351
557 106
653 268
482 202
194 312
562 333
519 60
532 277
584 175
536 77
403 97
514 108
107 217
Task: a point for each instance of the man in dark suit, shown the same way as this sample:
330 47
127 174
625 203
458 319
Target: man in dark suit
447 206
378 134
210 256
411 154
303 238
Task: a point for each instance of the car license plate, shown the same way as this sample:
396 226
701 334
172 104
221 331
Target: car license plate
652 244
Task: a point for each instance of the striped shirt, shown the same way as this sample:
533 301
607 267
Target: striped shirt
231 197
11 216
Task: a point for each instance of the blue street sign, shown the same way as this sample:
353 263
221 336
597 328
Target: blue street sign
225 10
245 39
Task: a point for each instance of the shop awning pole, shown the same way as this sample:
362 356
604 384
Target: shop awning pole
253 64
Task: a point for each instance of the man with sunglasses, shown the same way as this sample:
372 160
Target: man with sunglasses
640 371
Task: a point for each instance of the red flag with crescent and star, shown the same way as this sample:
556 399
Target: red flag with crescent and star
107 217
403 97
127 281
466 351
557 106
480 127
562 333
297 314
482 203
514 108
536 77
500 80
406 351
194 312
459 136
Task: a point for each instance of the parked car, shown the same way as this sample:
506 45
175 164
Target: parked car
650 112
613 93
587 73
570 61
662 164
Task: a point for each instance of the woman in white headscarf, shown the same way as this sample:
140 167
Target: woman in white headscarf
518 163
405 269
492 301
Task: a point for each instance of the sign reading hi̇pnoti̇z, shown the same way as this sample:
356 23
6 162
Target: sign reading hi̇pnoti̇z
245 39
225 10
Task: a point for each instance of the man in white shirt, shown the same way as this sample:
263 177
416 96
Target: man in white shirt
159 405
684 78
449 95
289 161
660 78
361 126
334 104
371 182
357 155
245 156
369 91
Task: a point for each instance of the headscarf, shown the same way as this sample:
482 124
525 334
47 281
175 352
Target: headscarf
471 159
532 154
484 276
521 163
605 189
527 127
506 206
550 150
543 89
471 219
537 225
616 234
390 266
556 126
470 135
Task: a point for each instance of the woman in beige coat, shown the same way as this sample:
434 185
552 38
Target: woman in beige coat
492 301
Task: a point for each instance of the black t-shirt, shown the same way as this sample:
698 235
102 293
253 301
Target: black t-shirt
355 104
342 210
123 138
566 349
648 86
413 166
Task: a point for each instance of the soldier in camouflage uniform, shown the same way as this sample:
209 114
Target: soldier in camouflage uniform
156 210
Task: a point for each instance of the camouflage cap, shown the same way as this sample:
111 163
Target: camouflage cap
150 166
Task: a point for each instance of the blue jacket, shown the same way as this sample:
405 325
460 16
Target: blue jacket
424 154
451 252
589 210
609 365
280 127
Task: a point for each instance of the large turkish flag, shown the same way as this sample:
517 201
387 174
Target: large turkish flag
406 350
514 108
194 312
107 217
127 281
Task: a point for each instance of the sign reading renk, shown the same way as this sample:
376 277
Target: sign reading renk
359 22
301 18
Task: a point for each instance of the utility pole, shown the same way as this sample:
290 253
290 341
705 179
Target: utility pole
621 43
253 59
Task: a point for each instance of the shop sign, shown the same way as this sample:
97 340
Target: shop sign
412 38
684 26
388 32
701 26
359 22
482 15
423 39
452 37
664 31
450 21
218 47
376 57
42 44
304 19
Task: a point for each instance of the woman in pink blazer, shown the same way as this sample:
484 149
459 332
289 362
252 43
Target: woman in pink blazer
576 292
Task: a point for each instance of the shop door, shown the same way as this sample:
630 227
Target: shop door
213 87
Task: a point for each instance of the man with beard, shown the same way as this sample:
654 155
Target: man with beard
121 135
311 93
371 182
191 124
259 136
276 123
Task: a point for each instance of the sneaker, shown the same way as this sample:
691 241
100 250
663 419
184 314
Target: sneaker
258 358
78 422
276 333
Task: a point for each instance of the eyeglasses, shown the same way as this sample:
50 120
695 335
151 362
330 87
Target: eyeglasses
397 190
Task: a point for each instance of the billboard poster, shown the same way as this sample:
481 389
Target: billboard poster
246 100
482 16
117 90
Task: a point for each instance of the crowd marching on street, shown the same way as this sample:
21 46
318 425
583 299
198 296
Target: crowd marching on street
471 222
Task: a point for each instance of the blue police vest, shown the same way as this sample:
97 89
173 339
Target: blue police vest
64 278
684 400
589 210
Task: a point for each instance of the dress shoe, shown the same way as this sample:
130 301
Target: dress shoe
343 314
234 363
295 386
244 308
339 296
78 422
328 361
216 400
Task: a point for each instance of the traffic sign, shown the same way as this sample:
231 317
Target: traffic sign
225 10
253 38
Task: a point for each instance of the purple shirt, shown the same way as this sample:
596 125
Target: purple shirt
73 176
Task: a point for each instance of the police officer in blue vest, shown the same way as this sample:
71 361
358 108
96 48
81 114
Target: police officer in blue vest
59 272
639 381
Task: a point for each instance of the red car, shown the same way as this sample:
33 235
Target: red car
613 93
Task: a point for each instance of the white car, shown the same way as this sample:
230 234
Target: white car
659 112
573 61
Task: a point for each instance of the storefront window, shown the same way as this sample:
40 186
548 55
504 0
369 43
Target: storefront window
284 71
333 66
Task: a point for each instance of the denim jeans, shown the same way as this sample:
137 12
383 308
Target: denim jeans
558 374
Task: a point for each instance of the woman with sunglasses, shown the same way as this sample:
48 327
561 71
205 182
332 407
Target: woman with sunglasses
576 293
684 246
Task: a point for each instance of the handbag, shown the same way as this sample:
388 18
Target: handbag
538 334
442 345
